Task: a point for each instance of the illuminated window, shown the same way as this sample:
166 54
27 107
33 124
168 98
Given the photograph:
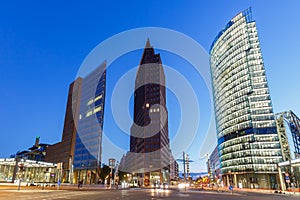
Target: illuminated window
97 109
90 102
89 113
98 97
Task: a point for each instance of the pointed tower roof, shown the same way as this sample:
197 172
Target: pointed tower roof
148 45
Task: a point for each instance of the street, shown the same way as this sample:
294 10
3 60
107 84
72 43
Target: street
135 194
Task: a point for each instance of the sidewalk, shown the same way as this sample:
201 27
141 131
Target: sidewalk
63 186
245 190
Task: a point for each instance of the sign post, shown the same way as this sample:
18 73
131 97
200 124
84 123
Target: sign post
111 164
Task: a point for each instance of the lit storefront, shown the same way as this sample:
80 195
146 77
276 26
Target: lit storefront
29 171
289 174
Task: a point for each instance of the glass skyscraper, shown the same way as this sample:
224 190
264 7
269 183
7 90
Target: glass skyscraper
88 147
248 142
81 146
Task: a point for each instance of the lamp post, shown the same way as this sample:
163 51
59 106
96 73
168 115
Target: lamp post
111 164
116 177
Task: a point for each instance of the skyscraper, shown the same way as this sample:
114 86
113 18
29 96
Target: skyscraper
248 142
81 146
88 147
63 152
149 139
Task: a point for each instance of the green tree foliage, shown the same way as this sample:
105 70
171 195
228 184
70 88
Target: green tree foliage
104 173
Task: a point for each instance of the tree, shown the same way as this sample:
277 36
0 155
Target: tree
121 175
104 172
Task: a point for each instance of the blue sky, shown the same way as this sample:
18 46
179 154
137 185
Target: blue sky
43 44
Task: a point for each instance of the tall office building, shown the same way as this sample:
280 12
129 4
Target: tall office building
149 139
80 149
248 142
88 147
63 152
288 127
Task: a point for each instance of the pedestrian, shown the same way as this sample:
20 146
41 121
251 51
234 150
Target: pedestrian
117 185
231 188
80 184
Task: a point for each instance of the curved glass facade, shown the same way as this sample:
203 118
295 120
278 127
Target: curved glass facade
247 137
88 147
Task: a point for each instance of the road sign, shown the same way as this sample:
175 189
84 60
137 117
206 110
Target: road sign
111 162
230 188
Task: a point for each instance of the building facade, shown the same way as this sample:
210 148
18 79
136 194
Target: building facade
81 146
37 152
30 171
214 169
63 152
174 171
88 147
150 152
249 146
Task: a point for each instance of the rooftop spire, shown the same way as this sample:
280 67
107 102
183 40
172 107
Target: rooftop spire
148 45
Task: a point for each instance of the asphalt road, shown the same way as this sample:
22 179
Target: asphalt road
12 194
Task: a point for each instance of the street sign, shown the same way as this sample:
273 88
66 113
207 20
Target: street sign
230 188
111 162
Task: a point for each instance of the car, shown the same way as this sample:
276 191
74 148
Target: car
164 186
155 185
